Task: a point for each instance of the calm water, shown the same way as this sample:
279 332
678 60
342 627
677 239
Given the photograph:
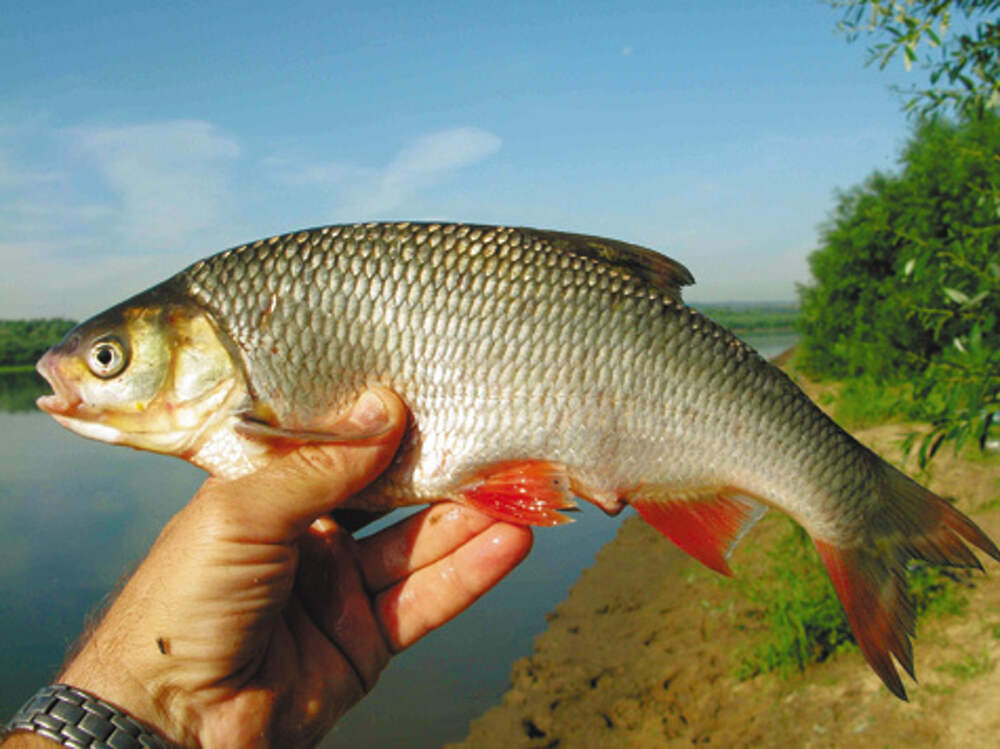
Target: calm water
76 515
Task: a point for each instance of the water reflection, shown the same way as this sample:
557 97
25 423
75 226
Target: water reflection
75 515
18 390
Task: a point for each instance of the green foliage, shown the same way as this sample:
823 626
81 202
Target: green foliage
963 67
756 318
24 341
864 402
959 393
908 275
906 263
804 621
907 283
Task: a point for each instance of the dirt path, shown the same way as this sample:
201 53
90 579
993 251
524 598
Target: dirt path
641 655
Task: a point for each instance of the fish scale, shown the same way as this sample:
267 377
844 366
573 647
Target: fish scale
530 365
536 365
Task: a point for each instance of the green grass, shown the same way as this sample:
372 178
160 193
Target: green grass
798 606
802 617
939 591
969 667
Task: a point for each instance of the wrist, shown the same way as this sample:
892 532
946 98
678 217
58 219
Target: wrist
22 740
74 718
115 684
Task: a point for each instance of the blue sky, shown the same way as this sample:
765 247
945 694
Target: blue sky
135 139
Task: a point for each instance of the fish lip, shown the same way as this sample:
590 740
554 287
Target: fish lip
63 401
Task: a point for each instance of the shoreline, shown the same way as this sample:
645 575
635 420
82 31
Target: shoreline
642 653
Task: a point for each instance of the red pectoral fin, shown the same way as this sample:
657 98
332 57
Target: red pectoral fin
707 523
280 437
529 492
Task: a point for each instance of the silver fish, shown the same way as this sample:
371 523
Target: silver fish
537 366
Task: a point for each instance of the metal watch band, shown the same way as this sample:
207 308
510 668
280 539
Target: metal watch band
79 720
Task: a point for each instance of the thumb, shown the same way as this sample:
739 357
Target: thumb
277 503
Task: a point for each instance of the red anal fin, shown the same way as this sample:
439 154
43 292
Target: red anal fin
877 607
706 523
527 492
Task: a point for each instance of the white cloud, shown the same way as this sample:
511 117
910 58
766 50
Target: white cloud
90 215
422 163
170 179
322 174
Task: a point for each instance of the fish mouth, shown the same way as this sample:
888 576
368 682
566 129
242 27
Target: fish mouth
66 407
63 401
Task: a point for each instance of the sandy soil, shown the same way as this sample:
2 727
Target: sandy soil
642 651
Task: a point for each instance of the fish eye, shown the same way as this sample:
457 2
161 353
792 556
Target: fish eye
106 358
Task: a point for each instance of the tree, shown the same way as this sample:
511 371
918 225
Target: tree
907 281
24 341
964 67
910 264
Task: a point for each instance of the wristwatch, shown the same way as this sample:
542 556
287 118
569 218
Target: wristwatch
80 720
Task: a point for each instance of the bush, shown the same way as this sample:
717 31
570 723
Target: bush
903 256
907 283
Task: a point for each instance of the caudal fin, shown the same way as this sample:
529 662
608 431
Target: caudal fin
870 579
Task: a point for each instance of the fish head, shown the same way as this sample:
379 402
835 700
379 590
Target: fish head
150 374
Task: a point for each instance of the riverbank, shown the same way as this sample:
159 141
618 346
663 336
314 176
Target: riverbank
642 654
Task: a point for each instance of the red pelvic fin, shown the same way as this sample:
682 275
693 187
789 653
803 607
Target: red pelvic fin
707 523
870 576
527 492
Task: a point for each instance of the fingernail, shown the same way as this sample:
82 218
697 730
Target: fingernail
369 413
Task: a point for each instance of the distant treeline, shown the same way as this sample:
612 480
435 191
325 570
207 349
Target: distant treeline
24 341
751 318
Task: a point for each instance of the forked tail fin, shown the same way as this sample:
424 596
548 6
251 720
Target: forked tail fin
870 579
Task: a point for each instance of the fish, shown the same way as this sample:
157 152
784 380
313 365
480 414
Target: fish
538 367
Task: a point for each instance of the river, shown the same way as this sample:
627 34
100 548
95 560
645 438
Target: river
76 515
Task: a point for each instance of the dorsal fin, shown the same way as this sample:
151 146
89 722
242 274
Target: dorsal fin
660 271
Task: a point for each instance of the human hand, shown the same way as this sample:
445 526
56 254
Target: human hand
256 620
